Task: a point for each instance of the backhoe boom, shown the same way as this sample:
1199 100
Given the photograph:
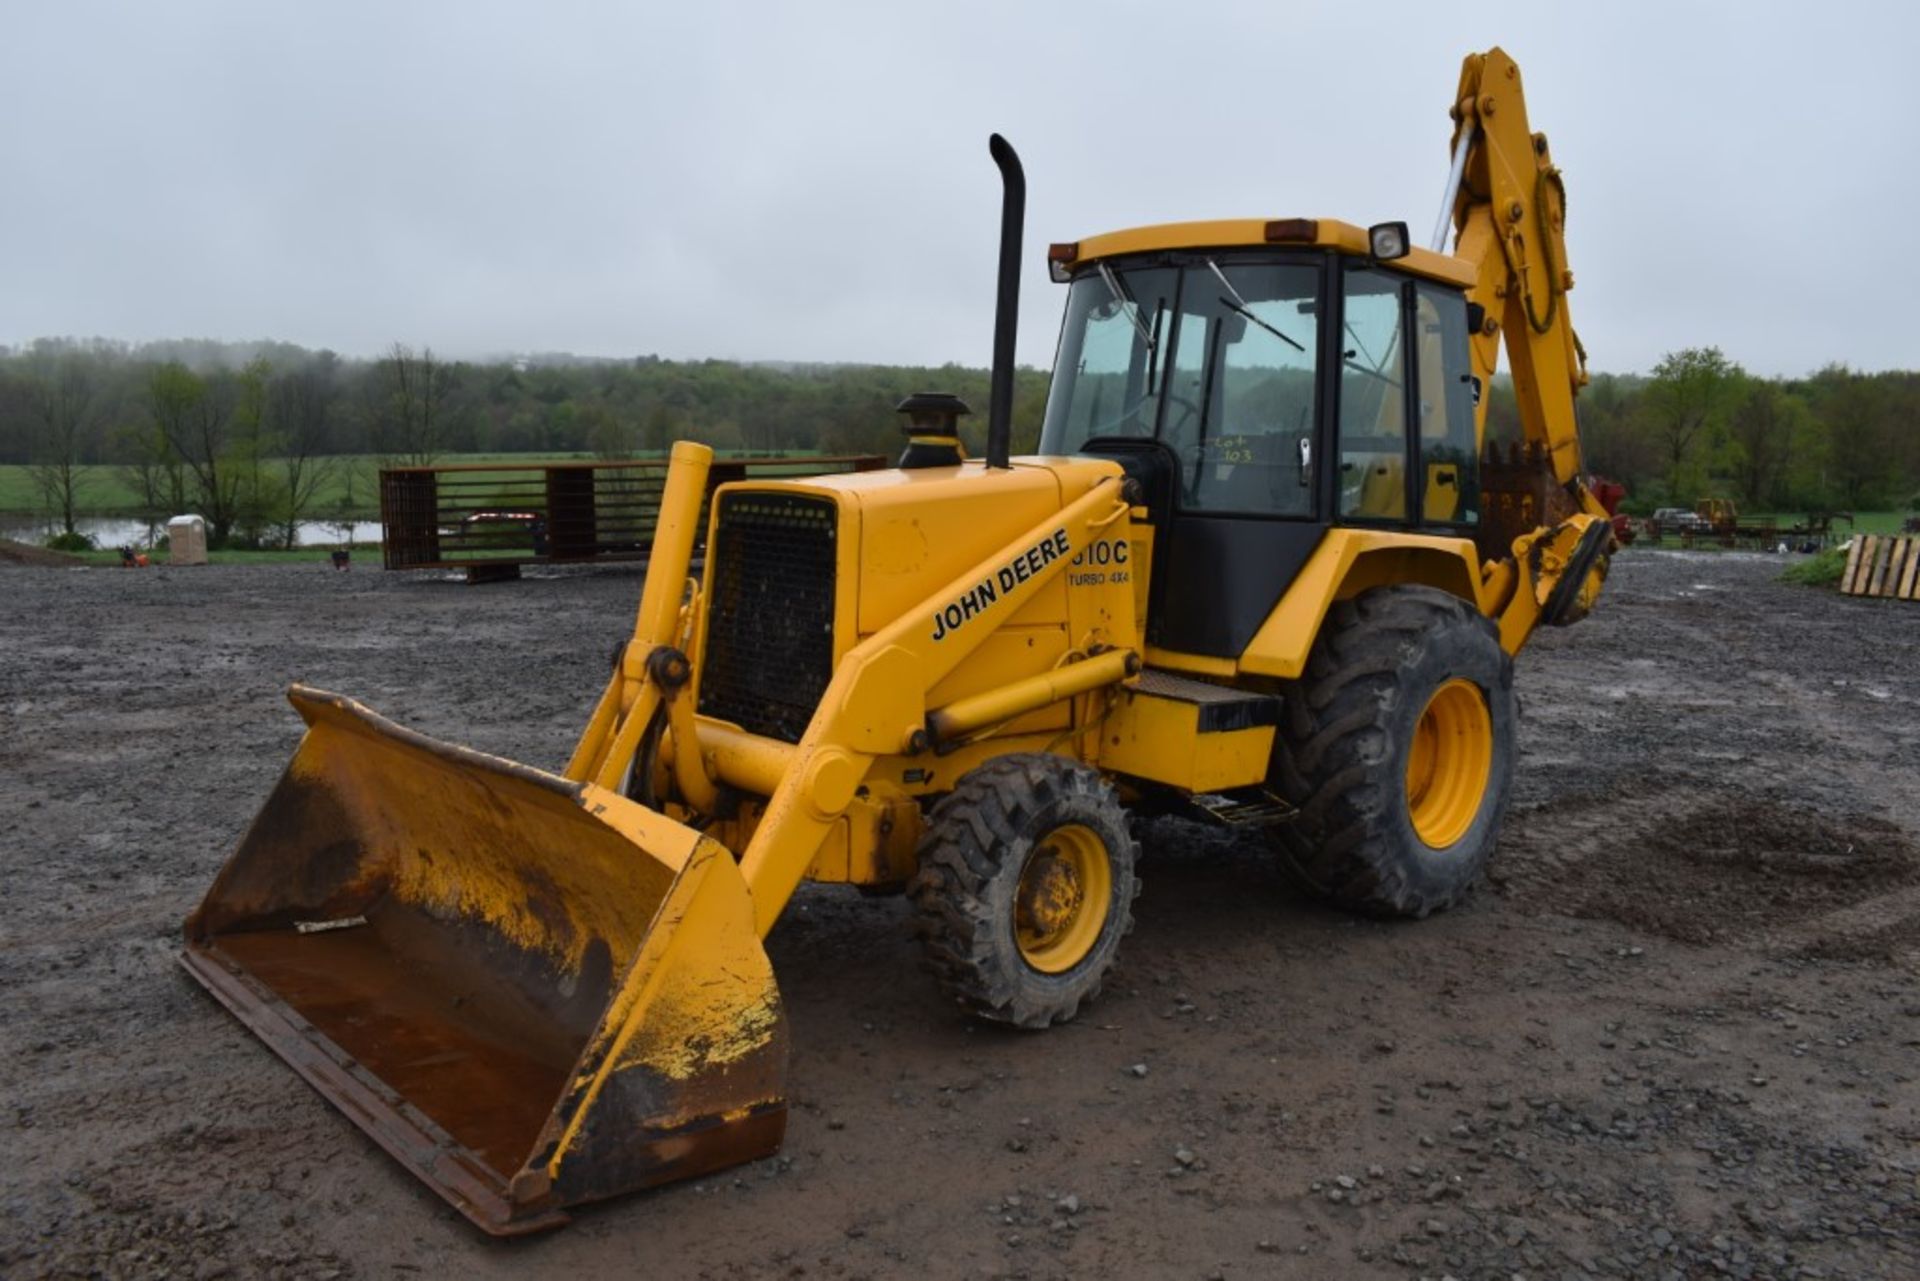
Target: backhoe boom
1510 215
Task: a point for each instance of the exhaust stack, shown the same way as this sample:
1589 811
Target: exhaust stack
1006 314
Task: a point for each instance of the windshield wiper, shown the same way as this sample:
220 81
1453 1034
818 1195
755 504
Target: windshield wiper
1127 304
1378 366
1236 303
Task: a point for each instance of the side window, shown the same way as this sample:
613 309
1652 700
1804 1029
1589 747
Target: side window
1373 398
1449 454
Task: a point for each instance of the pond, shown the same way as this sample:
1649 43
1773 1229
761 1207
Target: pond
115 531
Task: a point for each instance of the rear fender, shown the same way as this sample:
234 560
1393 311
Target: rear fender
1346 563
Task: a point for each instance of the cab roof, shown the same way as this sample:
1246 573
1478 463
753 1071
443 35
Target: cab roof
1263 233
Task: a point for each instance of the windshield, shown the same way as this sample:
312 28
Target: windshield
1215 358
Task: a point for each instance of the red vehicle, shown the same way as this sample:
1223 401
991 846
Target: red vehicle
1611 494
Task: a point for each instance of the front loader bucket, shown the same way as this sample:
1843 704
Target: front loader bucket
532 992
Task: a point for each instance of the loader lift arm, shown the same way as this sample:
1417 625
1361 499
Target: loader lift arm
876 705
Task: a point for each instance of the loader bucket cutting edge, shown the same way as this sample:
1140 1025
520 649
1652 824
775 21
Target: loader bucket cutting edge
531 992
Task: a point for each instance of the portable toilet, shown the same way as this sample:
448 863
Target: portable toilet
187 540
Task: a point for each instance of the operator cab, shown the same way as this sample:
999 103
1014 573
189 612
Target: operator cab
1261 393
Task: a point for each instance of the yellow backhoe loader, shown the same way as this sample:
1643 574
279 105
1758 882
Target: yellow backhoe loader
1264 570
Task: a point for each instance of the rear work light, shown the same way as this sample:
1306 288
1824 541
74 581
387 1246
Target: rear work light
1388 240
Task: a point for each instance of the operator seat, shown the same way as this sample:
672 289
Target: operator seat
1383 490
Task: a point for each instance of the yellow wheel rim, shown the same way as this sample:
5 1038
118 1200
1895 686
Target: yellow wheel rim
1060 906
1449 763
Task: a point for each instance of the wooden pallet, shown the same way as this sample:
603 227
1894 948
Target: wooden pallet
1883 565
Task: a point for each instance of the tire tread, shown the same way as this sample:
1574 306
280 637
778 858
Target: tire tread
970 834
1328 759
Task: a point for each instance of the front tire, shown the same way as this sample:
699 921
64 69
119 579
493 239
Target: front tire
1025 888
1397 748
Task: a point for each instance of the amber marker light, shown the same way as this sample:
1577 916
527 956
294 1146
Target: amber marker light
1060 260
1294 230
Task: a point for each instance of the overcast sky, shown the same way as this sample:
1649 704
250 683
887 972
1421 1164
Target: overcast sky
811 181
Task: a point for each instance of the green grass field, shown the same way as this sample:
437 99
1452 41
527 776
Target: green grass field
1863 522
106 491
1822 569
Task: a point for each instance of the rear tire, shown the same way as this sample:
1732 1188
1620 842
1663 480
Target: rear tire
1025 888
1396 746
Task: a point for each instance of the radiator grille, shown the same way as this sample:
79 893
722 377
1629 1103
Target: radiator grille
769 651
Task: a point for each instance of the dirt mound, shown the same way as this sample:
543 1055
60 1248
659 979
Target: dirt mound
1882 945
12 553
1728 868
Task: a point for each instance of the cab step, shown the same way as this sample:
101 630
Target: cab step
1222 709
1245 808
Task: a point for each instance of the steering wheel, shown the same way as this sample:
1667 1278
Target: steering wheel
1190 468
1109 426
1192 412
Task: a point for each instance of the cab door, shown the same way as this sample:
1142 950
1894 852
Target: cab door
1405 454
1238 420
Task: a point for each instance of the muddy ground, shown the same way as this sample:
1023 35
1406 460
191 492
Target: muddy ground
1675 1035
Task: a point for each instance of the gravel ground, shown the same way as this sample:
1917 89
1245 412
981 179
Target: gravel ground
1675 1036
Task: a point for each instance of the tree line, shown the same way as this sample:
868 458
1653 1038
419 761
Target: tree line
250 435
1700 425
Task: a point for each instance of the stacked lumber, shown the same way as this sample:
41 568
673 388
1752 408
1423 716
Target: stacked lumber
1883 565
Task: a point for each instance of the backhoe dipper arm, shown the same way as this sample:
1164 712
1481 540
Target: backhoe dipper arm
1510 213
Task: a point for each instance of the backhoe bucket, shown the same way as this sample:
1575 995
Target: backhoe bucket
532 992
